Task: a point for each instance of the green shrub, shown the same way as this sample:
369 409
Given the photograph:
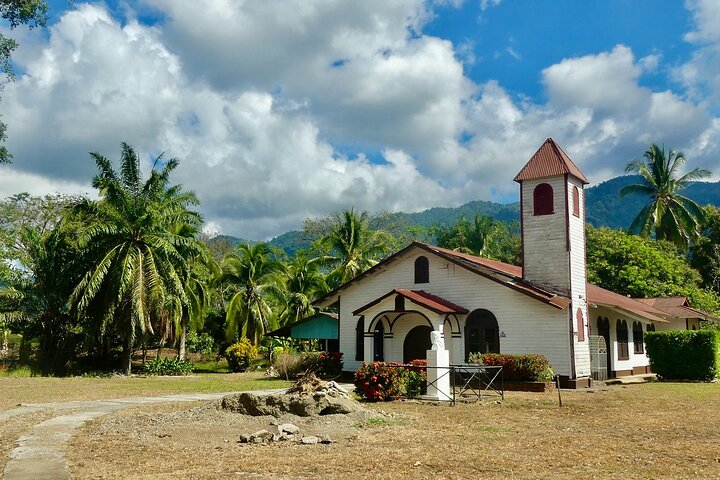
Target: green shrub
322 363
202 344
523 368
684 354
240 354
168 366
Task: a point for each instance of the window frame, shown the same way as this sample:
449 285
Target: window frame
621 336
638 338
360 339
422 270
543 200
576 201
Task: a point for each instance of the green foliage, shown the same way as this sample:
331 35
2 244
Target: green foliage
670 215
322 363
300 282
202 343
168 366
685 354
239 355
640 267
141 235
522 368
483 237
352 246
251 273
705 252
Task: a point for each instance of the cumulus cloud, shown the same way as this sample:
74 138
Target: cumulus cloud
284 110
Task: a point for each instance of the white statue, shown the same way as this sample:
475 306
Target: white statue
437 341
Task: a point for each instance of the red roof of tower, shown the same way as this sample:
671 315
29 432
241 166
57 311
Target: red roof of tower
550 160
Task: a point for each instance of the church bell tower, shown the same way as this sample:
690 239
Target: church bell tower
552 203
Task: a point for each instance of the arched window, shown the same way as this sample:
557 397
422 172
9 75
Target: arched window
399 303
360 339
580 325
622 340
651 327
482 334
422 270
543 200
576 201
638 338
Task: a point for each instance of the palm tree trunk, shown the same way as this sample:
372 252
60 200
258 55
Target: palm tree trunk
183 337
127 355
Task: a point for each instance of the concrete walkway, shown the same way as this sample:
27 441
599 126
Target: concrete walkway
38 454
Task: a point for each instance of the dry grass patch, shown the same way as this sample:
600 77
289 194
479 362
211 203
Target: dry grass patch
49 389
643 431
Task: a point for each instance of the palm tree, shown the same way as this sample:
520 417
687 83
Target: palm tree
353 246
37 293
141 259
253 272
469 237
303 281
670 215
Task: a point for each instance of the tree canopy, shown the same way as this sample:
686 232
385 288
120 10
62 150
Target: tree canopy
670 215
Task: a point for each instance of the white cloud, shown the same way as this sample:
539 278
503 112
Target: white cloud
275 110
706 15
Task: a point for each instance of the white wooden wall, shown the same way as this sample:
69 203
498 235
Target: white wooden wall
529 325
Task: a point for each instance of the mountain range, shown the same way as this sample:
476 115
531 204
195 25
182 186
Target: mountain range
604 207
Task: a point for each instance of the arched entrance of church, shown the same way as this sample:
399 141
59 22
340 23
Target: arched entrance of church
417 343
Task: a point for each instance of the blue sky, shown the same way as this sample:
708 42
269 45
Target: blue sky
279 111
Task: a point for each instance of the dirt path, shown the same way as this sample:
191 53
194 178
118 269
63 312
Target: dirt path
38 454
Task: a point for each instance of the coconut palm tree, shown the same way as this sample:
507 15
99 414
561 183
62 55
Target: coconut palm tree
141 259
669 214
303 282
353 247
253 272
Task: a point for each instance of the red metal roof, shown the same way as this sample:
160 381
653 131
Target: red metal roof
677 307
421 298
600 296
549 161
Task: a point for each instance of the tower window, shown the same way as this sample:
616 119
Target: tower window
543 200
576 201
422 270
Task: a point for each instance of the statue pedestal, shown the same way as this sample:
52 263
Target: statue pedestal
438 375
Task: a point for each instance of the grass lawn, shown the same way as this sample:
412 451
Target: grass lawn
15 390
642 431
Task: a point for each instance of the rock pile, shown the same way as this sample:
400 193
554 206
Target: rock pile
310 396
287 432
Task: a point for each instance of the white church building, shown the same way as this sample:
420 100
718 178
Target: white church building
478 305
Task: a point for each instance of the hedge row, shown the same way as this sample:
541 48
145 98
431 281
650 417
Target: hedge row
684 354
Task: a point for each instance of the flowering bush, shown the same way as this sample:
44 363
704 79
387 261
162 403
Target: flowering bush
528 368
322 363
380 381
240 354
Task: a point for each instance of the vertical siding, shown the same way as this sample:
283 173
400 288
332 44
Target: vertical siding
529 325
545 252
578 276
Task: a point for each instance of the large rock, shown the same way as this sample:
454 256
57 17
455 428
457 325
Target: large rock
309 397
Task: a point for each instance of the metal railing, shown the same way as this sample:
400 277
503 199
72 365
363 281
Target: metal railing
468 382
